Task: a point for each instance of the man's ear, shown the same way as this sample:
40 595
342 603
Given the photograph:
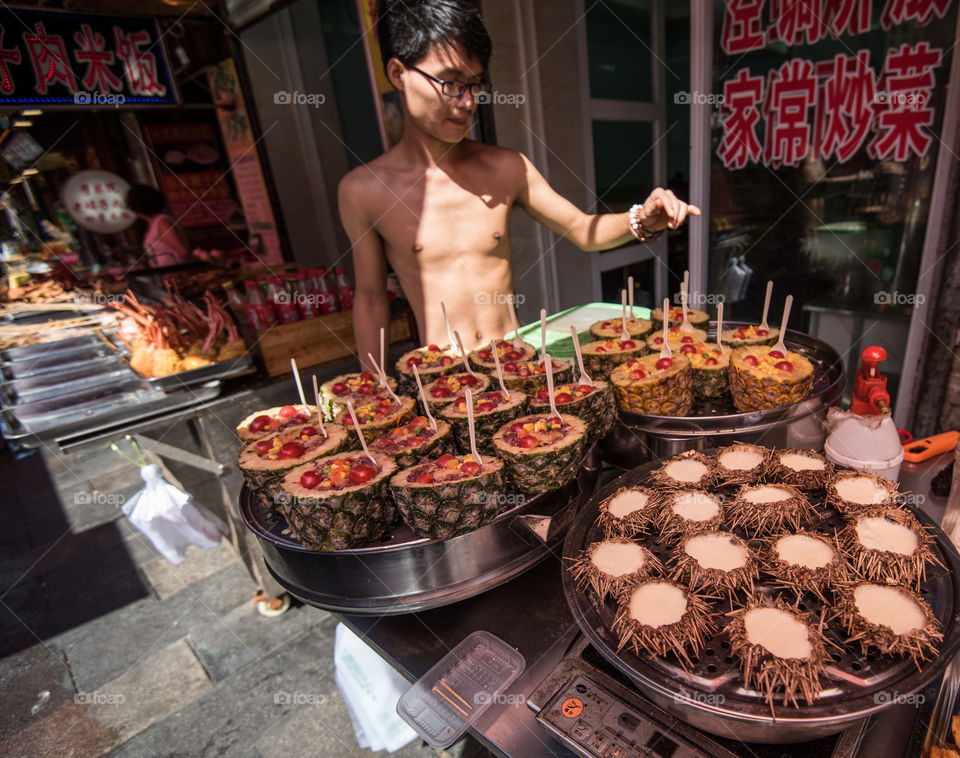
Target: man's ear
395 72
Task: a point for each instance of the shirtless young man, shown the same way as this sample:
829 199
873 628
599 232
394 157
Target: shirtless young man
437 205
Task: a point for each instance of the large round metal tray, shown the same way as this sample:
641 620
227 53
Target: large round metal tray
639 438
403 573
711 697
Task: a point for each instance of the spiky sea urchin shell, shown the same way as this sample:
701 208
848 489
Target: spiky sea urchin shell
682 471
801 468
741 463
609 566
907 631
628 511
760 509
857 491
680 631
700 566
689 510
879 549
775 671
799 565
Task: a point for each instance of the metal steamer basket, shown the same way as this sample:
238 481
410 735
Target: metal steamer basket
404 573
711 695
638 438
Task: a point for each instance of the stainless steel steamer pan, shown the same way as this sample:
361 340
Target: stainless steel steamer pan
638 438
404 573
711 696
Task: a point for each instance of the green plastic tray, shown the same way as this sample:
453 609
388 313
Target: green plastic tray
559 341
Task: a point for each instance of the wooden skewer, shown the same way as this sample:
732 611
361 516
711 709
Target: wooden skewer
665 350
624 334
548 365
463 353
470 428
384 385
783 325
423 396
720 326
438 692
363 443
453 692
517 339
766 305
543 331
296 375
584 379
383 376
446 323
496 359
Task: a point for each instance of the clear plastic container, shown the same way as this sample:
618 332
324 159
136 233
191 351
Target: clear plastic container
450 697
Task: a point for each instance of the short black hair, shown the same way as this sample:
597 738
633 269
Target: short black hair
407 28
142 198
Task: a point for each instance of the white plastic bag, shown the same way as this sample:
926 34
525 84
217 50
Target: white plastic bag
169 517
371 689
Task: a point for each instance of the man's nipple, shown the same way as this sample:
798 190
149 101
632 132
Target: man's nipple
497 235
417 247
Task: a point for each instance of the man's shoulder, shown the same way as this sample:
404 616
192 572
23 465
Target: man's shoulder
502 157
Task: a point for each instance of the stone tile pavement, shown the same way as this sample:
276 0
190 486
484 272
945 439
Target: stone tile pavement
107 649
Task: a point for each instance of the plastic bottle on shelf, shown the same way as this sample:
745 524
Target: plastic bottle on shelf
328 298
236 302
307 305
283 301
260 313
344 289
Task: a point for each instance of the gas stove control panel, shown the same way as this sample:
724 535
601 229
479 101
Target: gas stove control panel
590 719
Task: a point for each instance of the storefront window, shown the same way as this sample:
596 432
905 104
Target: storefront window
825 141
623 163
619 44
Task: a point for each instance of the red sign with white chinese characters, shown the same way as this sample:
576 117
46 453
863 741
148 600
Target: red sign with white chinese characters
827 108
72 59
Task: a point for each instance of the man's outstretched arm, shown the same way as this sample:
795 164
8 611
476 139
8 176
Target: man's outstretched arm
371 309
598 231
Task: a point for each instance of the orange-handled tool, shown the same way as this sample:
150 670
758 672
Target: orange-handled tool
917 451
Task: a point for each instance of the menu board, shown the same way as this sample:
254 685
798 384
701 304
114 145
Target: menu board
244 161
192 174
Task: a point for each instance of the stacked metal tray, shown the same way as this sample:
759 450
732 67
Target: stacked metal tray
79 385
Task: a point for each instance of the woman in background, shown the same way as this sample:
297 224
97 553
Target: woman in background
164 243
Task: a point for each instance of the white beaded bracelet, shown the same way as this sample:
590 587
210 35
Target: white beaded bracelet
637 229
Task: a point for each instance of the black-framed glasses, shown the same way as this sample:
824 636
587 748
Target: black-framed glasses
454 88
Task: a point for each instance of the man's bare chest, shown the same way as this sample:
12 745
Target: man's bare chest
433 223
